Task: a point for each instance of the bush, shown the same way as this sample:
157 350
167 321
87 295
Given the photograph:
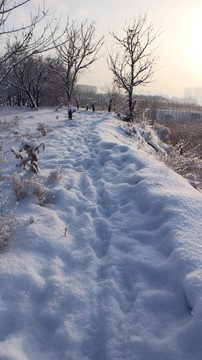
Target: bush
7 220
43 129
9 124
1 152
30 156
184 141
163 132
7 225
23 187
55 175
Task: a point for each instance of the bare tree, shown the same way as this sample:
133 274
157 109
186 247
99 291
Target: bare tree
22 42
132 64
28 78
77 53
54 90
113 96
34 81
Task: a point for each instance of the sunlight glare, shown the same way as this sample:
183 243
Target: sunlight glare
193 43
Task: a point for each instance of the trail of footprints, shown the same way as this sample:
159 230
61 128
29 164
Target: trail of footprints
105 169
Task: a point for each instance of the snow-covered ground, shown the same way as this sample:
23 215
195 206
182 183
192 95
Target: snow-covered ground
110 268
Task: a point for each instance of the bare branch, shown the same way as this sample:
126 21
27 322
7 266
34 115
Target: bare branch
6 8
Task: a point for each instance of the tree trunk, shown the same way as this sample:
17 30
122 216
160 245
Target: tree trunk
32 101
19 98
70 114
37 99
69 103
130 105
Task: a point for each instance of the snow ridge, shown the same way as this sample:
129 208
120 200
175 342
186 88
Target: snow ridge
111 267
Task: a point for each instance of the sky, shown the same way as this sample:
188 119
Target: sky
178 49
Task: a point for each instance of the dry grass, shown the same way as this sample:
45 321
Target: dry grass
8 124
7 226
185 132
185 142
23 186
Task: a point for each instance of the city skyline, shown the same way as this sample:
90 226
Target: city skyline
195 93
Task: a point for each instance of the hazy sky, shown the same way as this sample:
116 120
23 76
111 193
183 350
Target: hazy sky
179 47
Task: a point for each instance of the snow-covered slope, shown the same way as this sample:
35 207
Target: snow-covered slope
111 267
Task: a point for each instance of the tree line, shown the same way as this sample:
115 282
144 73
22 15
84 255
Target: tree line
43 67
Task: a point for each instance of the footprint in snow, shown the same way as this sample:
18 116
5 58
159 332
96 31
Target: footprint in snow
102 242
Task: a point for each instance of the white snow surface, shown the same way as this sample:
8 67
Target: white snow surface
110 268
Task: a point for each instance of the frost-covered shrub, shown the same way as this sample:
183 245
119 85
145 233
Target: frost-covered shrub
7 220
9 124
55 175
1 152
184 147
163 132
19 187
182 158
42 193
32 220
44 129
3 201
131 129
24 186
7 225
188 165
16 120
28 154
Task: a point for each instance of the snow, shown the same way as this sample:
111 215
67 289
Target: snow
111 266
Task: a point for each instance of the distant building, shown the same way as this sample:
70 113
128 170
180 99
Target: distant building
198 94
188 93
193 95
87 89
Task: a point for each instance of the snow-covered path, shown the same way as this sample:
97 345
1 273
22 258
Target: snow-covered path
111 266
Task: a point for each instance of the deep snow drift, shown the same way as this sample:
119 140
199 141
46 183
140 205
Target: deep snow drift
110 267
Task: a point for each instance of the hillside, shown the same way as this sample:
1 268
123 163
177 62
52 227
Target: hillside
105 262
